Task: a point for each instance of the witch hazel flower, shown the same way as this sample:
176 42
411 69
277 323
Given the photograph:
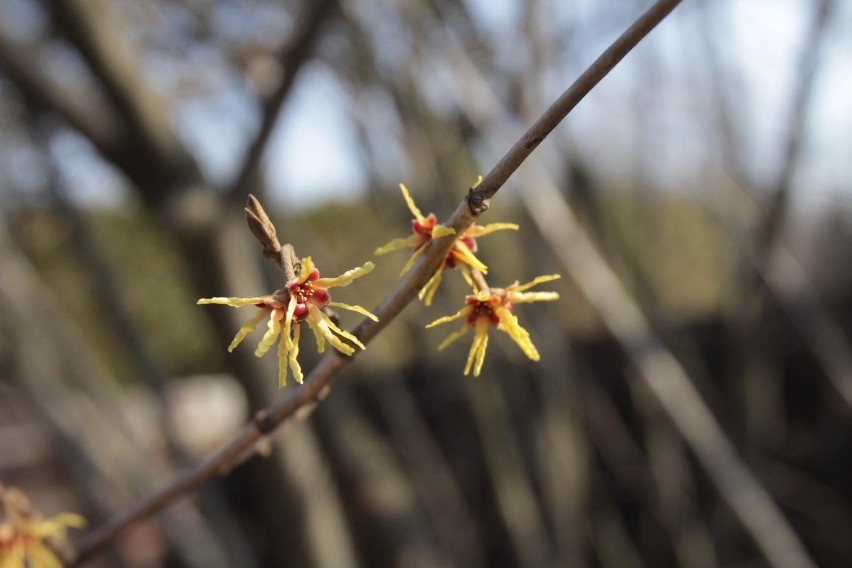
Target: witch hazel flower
461 255
301 301
25 537
494 308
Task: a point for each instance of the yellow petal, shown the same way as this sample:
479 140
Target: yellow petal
453 337
40 556
247 328
17 557
482 230
509 324
481 330
288 322
477 350
410 262
344 333
347 277
56 526
526 297
269 337
465 272
353 308
459 314
233 302
294 353
410 202
318 335
428 291
439 231
462 253
324 325
307 268
536 281
396 244
282 363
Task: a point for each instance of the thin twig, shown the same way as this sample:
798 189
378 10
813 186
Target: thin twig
302 401
659 369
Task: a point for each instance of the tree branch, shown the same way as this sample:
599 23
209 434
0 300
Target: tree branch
301 402
42 94
297 52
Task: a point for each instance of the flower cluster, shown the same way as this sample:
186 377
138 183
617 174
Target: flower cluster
494 307
302 300
24 535
461 255
305 296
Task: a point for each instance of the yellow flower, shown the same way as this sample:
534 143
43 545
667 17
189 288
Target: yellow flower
23 535
301 300
495 307
424 229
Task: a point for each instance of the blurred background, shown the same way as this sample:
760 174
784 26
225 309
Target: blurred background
693 403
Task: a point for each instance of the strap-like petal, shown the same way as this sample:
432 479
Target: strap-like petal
347 277
536 281
248 327
294 353
453 337
428 291
232 301
353 308
396 244
269 337
463 254
410 202
439 231
509 324
410 262
526 297
459 314
482 230
477 349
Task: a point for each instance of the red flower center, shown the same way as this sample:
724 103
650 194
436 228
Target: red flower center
306 294
483 309
424 230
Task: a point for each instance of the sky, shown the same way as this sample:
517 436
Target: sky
311 152
313 155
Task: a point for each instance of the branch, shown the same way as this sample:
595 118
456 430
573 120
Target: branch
295 55
774 218
301 403
658 368
113 58
575 93
41 93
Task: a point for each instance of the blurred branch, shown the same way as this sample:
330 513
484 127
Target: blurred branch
40 92
517 503
773 218
789 282
294 56
662 372
430 473
381 501
666 378
301 403
569 99
81 403
115 61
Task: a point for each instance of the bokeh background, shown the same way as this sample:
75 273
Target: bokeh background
693 404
